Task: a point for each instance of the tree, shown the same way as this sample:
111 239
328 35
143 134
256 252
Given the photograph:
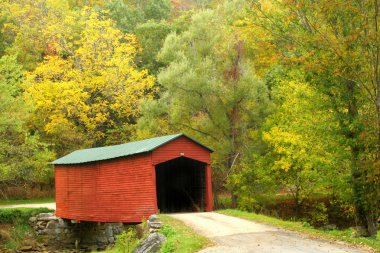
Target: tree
91 86
17 145
29 28
151 36
338 44
306 147
148 21
210 89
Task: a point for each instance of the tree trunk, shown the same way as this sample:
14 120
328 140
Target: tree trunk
365 205
233 200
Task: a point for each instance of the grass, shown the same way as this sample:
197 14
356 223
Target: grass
181 238
347 235
14 223
26 201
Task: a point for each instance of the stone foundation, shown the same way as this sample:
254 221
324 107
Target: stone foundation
65 234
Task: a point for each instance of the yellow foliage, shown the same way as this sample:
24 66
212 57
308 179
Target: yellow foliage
96 87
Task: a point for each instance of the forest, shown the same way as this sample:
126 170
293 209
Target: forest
287 93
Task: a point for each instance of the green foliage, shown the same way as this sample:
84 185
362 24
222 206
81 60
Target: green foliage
168 247
129 15
19 215
127 241
180 238
126 16
17 145
167 230
305 142
286 92
96 91
209 90
18 235
151 36
28 201
329 41
319 216
156 9
20 231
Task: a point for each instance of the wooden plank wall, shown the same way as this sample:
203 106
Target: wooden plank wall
122 189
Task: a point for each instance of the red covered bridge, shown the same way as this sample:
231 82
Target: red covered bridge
129 182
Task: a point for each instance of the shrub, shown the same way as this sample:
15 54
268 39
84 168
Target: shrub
127 241
19 215
318 216
168 247
167 231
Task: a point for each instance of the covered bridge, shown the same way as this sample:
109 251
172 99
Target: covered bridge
129 182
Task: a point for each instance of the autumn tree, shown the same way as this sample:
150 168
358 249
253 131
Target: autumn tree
22 155
28 28
338 44
210 90
148 20
306 146
90 89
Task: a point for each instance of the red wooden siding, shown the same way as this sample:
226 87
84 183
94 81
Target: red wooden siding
122 189
118 190
183 145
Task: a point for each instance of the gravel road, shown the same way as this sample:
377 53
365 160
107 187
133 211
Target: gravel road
47 205
234 235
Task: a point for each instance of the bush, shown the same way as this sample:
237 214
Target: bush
316 210
167 231
127 241
19 215
16 230
168 247
318 216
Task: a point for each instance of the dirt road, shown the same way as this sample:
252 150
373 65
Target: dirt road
234 235
47 205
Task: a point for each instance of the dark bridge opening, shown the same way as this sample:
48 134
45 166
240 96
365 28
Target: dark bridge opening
181 185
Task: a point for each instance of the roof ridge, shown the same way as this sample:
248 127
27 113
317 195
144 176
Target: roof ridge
120 150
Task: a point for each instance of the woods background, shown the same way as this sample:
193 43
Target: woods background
286 92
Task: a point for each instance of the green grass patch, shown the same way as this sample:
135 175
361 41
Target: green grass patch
19 215
181 238
26 201
347 235
14 224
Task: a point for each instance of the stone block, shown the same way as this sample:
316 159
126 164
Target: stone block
62 223
46 217
109 231
52 224
155 225
33 219
26 248
153 218
102 239
41 232
50 231
151 244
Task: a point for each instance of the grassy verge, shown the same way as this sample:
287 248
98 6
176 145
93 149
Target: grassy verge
26 201
340 235
181 238
14 228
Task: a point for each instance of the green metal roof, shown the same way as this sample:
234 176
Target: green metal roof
109 152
